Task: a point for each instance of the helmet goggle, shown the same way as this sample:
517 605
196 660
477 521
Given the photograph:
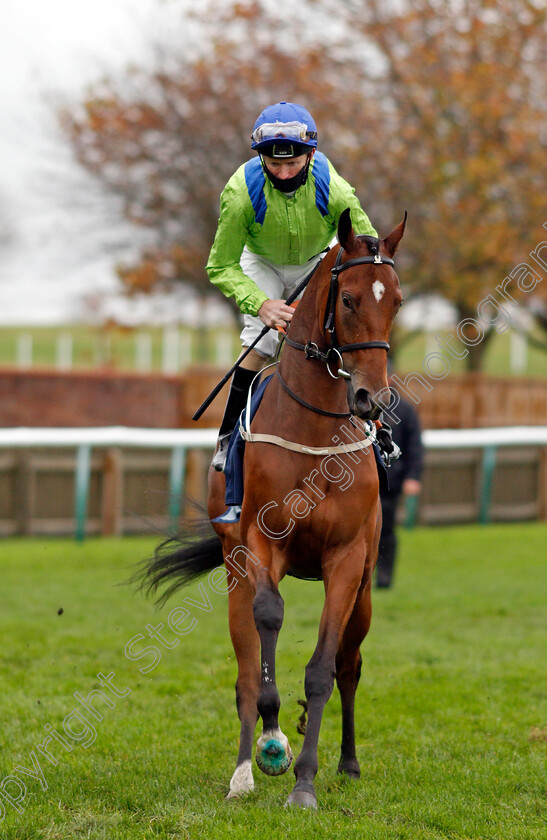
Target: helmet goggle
287 131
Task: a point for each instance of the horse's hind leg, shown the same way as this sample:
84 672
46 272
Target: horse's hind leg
348 671
247 649
273 753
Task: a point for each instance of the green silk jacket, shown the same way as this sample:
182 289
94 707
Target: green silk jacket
284 230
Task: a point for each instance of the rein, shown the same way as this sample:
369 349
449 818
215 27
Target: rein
308 405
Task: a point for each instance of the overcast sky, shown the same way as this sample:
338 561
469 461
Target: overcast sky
61 46
55 45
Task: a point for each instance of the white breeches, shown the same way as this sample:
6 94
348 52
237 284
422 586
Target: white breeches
277 281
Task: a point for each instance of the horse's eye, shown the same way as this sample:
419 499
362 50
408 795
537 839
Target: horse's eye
347 301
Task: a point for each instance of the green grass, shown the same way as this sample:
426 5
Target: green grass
450 724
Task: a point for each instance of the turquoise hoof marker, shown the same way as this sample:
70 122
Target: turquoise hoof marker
273 753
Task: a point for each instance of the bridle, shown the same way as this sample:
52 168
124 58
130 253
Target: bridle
311 349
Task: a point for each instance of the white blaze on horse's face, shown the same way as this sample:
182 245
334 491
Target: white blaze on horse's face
378 290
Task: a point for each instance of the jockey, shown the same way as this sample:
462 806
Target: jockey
278 212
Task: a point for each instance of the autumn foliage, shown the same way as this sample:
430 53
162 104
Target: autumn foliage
435 107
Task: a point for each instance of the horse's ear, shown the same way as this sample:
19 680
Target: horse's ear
391 242
346 236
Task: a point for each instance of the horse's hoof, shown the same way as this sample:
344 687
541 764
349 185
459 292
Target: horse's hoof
273 753
242 781
350 769
301 799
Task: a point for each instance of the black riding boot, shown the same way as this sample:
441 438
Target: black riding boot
237 398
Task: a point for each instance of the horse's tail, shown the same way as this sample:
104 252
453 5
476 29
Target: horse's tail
180 560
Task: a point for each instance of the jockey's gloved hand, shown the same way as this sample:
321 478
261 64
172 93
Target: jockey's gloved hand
384 438
388 449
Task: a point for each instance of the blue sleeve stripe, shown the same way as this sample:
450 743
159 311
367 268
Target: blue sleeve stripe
254 178
321 174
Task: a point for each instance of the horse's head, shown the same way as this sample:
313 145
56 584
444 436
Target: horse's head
364 298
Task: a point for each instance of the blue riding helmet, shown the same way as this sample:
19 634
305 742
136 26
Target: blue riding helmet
284 130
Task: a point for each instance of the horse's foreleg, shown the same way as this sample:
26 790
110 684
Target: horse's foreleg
348 659
247 650
273 753
342 590
348 671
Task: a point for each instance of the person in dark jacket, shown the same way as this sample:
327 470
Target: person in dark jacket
404 477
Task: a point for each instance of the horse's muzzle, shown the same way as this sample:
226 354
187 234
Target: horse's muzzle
363 405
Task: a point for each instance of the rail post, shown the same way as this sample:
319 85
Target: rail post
81 488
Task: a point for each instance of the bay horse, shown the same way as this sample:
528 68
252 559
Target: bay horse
306 511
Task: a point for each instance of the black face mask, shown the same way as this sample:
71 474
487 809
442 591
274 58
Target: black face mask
287 185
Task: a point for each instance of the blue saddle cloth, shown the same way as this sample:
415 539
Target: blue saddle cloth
233 470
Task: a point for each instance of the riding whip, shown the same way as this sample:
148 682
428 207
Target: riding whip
226 376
